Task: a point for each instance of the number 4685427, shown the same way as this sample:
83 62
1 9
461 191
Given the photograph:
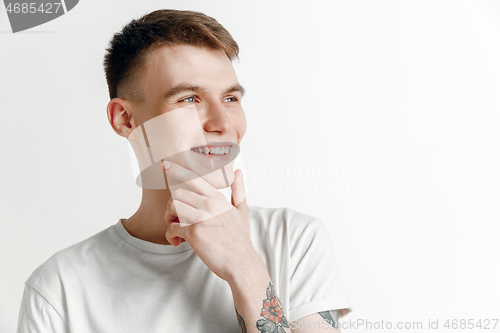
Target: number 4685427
484 324
47 8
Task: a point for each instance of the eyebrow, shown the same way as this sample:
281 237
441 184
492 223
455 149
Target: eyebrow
233 88
189 87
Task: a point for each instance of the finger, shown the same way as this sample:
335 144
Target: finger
189 215
189 177
171 238
188 197
176 233
238 198
170 213
171 217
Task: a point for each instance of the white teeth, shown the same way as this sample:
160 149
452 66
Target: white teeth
212 150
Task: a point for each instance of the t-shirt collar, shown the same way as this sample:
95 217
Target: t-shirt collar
149 246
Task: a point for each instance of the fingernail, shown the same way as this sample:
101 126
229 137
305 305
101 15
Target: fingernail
166 164
241 175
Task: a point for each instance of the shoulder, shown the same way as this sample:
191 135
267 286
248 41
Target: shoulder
283 216
295 225
50 276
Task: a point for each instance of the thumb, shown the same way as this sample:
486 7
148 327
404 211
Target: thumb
238 198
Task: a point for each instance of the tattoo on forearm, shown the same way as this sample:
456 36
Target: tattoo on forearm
275 320
241 322
331 317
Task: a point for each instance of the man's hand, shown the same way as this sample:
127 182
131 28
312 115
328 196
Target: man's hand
218 231
222 241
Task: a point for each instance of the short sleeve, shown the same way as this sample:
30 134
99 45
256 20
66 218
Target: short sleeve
38 315
315 283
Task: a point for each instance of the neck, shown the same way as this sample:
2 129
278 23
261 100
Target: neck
148 221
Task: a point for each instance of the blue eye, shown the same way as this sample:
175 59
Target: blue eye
189 99
234 99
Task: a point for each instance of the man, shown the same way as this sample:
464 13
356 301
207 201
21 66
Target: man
188 260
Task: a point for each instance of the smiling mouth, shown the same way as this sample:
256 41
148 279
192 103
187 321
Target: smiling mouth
216 149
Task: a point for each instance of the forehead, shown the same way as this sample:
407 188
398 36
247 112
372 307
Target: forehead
170 65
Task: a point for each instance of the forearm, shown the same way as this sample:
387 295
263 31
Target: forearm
257 306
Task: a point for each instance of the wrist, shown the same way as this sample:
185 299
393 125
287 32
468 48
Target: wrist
252 272
248 292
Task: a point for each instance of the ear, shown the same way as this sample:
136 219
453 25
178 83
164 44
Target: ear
120 116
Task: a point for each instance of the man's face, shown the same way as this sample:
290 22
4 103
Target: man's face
184 77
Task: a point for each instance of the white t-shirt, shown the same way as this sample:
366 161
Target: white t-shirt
114 282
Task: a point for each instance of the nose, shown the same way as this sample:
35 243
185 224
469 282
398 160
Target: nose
216 118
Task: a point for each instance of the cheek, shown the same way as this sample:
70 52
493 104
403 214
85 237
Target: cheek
145 112
240 124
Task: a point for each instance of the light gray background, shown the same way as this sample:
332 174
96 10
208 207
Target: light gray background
387 111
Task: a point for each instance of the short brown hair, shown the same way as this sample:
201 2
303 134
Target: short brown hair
128 48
